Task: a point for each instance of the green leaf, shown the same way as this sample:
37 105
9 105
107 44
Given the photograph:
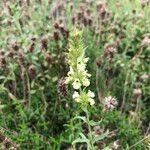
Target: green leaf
80 117
107 148
94 123
82 135
2 106
2 77
80 140
101 137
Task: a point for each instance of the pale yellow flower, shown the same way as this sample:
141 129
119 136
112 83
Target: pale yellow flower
85 60
76 84
68 79
81 67
86 82
92 102
76 97
91 94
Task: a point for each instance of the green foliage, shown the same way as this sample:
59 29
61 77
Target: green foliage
37 110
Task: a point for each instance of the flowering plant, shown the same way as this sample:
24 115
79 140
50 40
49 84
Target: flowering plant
78 76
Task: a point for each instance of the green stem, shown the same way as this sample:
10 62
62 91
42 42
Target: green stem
91 144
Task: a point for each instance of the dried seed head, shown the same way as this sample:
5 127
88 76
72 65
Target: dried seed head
62 88
8 8
56 25
21 57
98 63
88 12
137 93
90 21
82 7
144 2
110 50
71 6
32 46
8 144
101 8
56 36
15 45
65 34
33 39
60 21
40 1
61 28
79 15
32 71
10 53
73 19
44 43
27 2
2 53
48 58
2 62
98 130
85 21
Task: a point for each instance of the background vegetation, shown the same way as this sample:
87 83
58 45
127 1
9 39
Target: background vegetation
36 107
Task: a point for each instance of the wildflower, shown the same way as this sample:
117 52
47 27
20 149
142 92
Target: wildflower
143 78
146 41
97 130
137 93
78 76
91 94
84 97
86 82
110 102
76 96
92 102
76 84
81 67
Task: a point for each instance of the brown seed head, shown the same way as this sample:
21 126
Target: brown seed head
56 36
32 71
44 43
48 58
